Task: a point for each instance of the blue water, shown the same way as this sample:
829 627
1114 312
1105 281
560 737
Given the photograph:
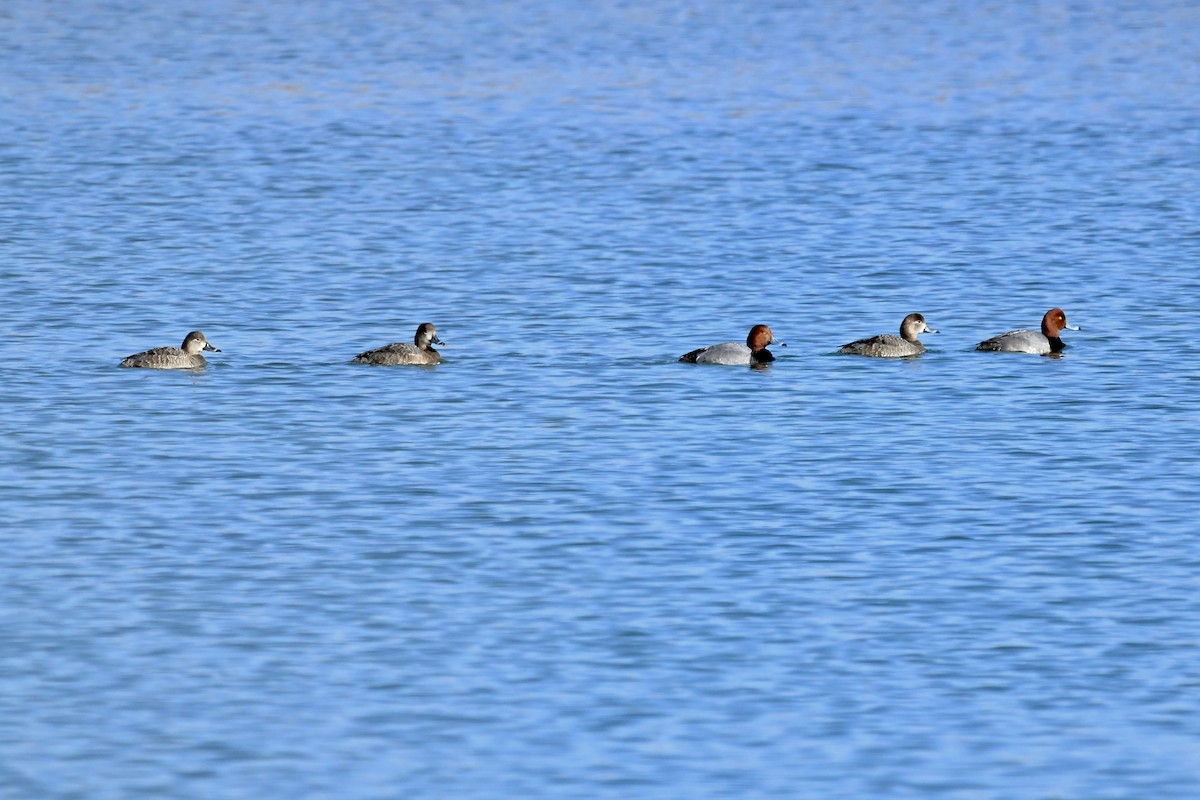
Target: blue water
562 564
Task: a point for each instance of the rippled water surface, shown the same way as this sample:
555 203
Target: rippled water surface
561 564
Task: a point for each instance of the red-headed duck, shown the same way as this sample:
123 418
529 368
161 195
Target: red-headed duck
889 345
185 357
419 352
754 351
1025 341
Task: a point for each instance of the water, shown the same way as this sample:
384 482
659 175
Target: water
561 564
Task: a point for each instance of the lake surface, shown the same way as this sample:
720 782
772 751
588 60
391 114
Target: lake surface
561 564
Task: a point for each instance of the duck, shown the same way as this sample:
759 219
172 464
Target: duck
753 352
888 345
187 356
419 352
1026 341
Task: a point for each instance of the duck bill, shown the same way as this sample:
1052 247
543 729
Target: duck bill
209 347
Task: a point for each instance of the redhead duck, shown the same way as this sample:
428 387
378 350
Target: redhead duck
185 357
888 345
419 352
754 351
1024 341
